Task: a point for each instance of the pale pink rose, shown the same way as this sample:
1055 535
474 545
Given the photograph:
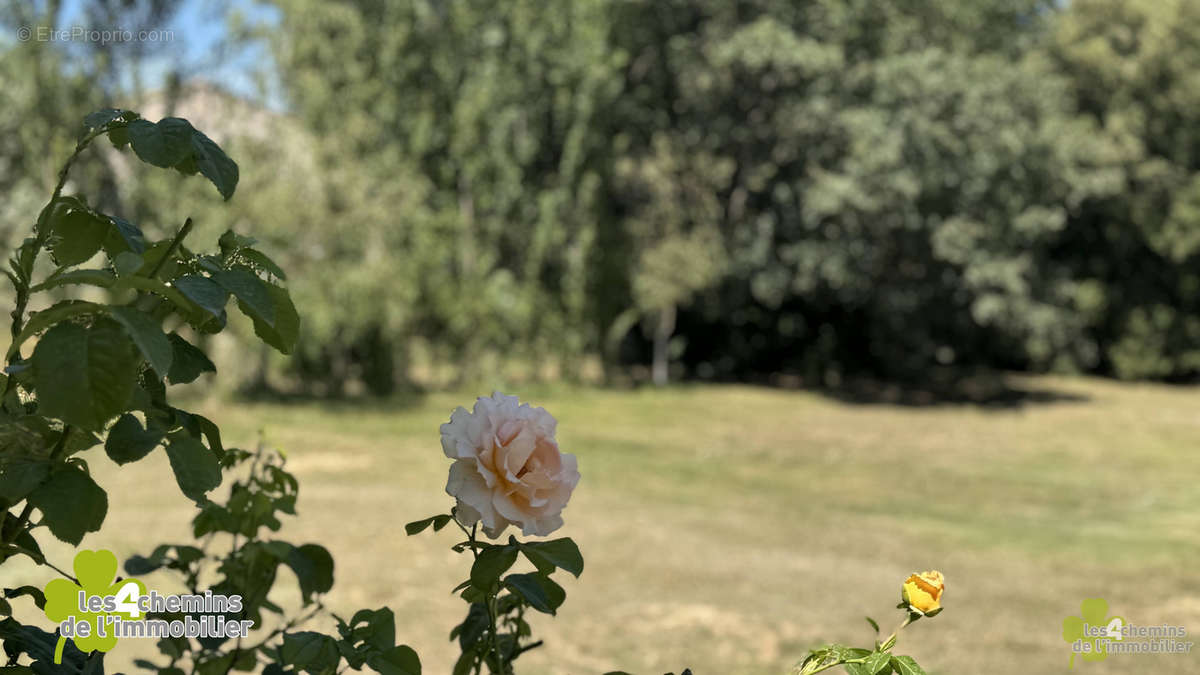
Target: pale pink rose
507 467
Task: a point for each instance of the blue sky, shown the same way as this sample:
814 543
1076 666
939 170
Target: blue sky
198 27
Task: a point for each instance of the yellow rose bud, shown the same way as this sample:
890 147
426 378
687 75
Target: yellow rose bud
923 592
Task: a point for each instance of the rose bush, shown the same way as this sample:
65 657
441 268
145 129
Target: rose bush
921 596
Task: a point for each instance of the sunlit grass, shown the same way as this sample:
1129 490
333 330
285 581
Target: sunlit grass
729 528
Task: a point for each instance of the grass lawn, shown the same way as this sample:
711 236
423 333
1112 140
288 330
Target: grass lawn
730 528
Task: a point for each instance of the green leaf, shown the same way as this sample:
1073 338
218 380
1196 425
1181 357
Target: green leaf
128 263
188 361
286 330
84 376
375 628
438 522
71 504
399 660
39 598
873 623
538 590
310 652
877 662
196 468
260 260
76 232
148 335
163 144
42 320
137 564
20 475
214 164
492 562
123 237
128 442
102 118
204 292
313 567
250 291
472 629
211 433
118 136
905 665
561 553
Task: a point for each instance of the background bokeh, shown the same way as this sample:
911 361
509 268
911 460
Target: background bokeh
827 190
839 229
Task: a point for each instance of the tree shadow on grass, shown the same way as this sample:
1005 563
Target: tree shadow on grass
400 400
988 390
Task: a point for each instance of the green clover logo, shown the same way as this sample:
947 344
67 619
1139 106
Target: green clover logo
95 571
1094 613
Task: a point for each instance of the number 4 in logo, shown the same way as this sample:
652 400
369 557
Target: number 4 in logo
127 599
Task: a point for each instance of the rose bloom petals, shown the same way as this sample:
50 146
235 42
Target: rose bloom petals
923 591
507 467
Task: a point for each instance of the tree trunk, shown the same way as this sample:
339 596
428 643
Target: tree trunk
664 327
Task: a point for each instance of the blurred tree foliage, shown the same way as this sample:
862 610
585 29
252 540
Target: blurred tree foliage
715 188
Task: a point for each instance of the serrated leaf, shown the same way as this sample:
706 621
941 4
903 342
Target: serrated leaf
77 233
164 143
101 118
286 330
251 292
84 376
128 442
877 662
561 553
310 652
196 468
905 665
188 362
214 164
399 660
71 504
204 292
492 562
123 237
149 337
313 567
541 592
260 260
40 321
20 475
118 136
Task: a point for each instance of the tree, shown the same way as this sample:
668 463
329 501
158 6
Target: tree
1132 70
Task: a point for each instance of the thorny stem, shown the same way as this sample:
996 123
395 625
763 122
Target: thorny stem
41 232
